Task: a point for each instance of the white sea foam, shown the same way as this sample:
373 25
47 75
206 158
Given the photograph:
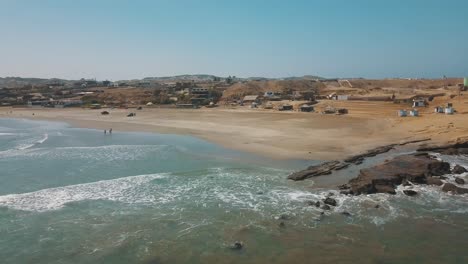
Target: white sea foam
121 189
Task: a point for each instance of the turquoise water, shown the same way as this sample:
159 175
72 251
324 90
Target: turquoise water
71 195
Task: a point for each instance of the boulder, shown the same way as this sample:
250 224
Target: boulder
449 187
326 207
459 169
459 180
237 245
434 181
410 192
385 177
330 201
346 213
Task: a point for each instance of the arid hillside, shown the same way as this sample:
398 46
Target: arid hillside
241 89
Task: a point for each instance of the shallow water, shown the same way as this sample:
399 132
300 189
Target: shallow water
72 195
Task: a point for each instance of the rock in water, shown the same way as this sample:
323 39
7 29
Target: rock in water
434 181
330 201
410 192
385 177
459 180
346 214
458 169
237 245
318 170
326 207
449 187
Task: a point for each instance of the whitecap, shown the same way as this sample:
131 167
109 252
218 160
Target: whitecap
121 189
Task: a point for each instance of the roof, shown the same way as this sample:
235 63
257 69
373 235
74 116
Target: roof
250 97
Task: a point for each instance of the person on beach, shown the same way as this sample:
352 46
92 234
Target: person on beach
110 131
105 131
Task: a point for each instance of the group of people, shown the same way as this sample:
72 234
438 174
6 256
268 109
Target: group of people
110 131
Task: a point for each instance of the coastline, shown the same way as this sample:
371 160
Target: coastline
270 134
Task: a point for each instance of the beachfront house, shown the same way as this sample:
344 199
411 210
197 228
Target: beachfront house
307 108
402 113
250 99
419 102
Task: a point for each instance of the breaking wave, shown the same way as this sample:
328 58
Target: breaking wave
122 190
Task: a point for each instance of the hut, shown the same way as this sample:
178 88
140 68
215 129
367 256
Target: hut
307 108
414 112
439 110
419 102
286 107
449 110
402 113
268 106
250 98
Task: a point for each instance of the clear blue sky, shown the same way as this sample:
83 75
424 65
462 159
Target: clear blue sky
113 39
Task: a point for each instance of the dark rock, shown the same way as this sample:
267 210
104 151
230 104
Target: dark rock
330 194
460 147
434 181
458 169
317 204
326 207
318 170
377 206
406 183
237 245
259 192
449 187
384 177
381 188
343 187
284 217
282 224
459 180
346 213
358 159
410 192
330 201
346 192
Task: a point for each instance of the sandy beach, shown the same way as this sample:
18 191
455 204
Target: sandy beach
281 135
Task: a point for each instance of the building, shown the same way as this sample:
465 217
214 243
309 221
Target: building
307 108
402 113
419 102
250 98
414 112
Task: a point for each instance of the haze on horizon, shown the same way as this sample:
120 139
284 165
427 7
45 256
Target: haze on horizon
136 39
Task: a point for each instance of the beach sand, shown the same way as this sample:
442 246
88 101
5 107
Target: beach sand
280 135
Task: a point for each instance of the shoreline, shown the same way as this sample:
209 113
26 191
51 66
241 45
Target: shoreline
269 134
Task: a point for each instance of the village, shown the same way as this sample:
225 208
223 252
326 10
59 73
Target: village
326 96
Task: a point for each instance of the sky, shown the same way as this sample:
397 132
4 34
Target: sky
116 39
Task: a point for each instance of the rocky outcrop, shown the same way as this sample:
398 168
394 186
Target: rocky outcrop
459 147
331 166
449 187
385 177
318 170
370 153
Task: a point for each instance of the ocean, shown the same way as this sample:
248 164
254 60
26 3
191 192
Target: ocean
71 195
